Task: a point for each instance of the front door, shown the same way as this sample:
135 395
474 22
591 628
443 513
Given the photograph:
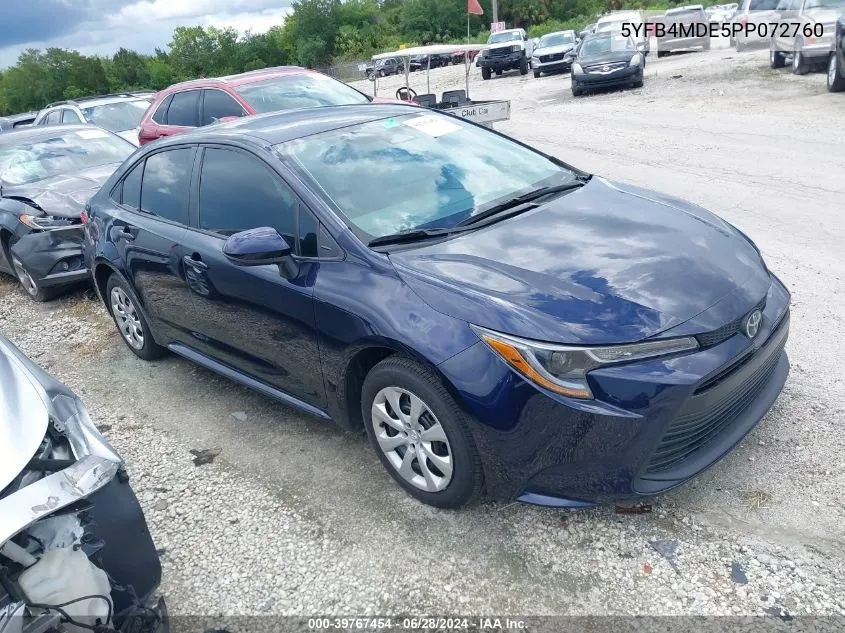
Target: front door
258 319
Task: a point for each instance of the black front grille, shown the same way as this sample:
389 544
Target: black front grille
709 339
498 52
551 58
705 415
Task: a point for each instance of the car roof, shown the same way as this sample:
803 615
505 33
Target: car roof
40 132
618 15
237 80
95 100
279 127
564 32
689 7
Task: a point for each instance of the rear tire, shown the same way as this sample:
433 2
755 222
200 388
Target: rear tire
706 46
537 74
740 46
130 321
661 54
485 73
800 66
835 78
776 59
426 445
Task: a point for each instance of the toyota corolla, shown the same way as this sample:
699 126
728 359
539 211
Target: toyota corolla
496 319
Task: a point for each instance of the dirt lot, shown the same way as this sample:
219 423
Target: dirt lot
295 517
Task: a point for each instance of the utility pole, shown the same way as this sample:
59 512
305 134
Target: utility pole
495 10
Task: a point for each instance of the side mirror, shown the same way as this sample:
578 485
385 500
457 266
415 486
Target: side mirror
257 247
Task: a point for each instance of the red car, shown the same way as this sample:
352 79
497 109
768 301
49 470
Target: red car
203 101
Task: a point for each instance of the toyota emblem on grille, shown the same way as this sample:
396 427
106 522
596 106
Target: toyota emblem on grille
752 323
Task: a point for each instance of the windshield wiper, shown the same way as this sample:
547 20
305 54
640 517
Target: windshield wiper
524 198
413 235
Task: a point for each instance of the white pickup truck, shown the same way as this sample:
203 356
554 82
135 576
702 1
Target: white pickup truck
506 50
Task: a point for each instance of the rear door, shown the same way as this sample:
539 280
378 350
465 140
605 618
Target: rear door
218 104
258 319
786 16
761 13
148 230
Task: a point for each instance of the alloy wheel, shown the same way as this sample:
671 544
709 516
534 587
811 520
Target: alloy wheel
24 277
127 319
412 439
831 70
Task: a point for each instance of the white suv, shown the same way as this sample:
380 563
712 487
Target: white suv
120 113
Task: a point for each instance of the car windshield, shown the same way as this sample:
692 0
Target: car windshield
605 44
302 90
117 117
417 171
557 39
63 153
505 36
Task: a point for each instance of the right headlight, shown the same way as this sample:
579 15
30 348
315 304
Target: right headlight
563 368
635 59
576 68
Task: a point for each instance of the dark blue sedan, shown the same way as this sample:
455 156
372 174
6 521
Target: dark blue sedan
498 321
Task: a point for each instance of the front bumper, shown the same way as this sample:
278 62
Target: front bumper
682 43
501 62
621 77
54 257
561 65
653 424
818 50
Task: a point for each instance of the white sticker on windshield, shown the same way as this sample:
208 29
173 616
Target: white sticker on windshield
93 133
432 125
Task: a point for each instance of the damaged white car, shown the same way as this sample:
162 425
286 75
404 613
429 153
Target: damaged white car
75 551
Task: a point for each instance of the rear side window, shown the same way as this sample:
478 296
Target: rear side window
54 117
184 109
160 115
131 196
165 185
239 192
69 116
216 105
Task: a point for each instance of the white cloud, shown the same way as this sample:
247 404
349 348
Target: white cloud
147 25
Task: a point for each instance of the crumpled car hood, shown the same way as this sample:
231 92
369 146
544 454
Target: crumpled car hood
65 195
23 415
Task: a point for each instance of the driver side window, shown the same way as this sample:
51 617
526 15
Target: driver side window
239 192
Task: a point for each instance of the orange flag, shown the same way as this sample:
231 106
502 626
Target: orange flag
474 7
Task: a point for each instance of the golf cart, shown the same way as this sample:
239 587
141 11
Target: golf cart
454 102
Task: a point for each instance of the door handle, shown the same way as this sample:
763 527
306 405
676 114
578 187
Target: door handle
196 264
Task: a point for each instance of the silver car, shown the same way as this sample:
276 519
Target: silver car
550 54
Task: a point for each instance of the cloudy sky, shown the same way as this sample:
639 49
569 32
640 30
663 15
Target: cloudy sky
103 26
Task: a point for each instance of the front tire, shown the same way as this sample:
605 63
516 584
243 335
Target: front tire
29 284
420 434
130 321
523 66
835 78
577 91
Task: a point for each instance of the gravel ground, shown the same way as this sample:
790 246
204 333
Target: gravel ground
295 517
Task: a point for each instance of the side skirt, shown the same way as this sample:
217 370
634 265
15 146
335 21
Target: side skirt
248 381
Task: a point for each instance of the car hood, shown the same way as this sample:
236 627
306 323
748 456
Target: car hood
65 195
553 50
604 58
23 414
607 263
507 44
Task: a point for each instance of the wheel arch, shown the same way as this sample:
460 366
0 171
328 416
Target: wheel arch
361 358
